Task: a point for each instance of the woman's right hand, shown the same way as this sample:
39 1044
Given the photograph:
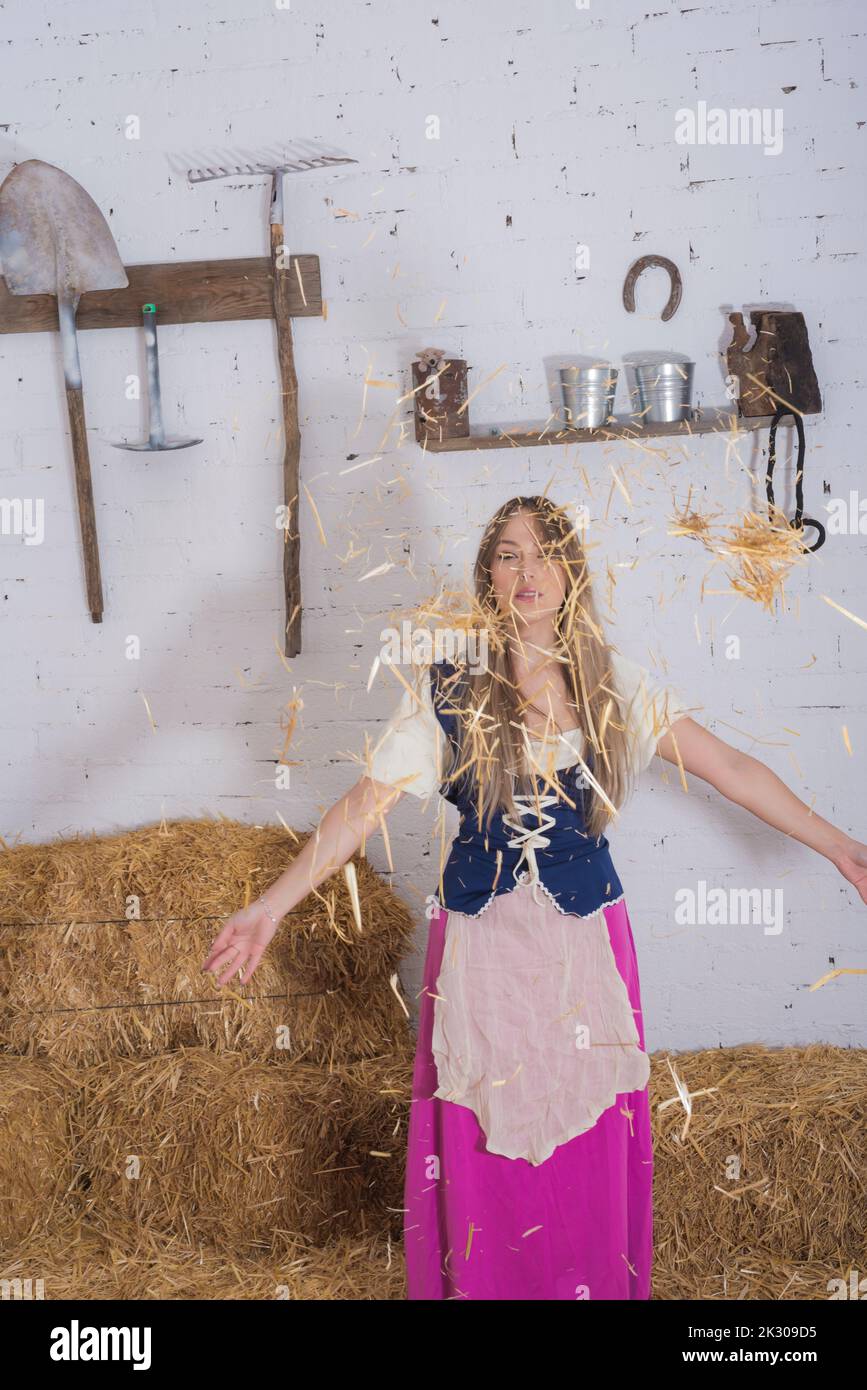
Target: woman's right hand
240 944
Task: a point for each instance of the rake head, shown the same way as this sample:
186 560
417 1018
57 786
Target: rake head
264 163
298 158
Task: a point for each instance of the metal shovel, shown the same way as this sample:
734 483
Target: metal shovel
156 441
55 240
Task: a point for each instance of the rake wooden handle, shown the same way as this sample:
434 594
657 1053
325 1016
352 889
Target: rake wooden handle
84 489
280 292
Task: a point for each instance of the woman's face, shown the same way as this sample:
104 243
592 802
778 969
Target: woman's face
527 583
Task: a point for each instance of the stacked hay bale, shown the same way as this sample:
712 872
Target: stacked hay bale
760 1192
163 1124
163 1138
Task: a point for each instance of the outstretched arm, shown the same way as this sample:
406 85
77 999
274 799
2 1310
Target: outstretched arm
342 830
751 784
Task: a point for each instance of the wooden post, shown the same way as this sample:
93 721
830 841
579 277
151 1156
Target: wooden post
291 445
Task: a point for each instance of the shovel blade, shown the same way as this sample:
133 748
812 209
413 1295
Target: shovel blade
53 237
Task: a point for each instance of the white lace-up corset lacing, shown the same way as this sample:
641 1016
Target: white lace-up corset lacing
529 837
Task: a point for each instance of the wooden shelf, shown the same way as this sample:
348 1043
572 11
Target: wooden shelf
705 421
183 291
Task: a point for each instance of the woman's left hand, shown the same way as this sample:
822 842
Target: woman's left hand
852 863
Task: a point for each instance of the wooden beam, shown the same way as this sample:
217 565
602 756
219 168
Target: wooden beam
183 291
720 421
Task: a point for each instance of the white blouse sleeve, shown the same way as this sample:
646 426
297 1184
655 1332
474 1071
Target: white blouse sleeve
650 707
409 752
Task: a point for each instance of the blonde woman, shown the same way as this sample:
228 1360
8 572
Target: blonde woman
529 1164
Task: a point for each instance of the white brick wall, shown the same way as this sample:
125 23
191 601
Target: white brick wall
563 120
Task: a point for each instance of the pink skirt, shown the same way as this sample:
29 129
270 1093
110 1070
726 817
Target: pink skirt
530 1040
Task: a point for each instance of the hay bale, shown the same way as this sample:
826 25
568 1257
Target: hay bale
243 1155
224 1174
37 1169
766 1196
135 1264
99 983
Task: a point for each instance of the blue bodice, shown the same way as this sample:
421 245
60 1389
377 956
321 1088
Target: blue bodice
547 846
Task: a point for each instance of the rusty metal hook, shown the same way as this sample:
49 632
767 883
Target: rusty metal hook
644 263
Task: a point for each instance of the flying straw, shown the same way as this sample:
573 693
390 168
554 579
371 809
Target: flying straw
844 611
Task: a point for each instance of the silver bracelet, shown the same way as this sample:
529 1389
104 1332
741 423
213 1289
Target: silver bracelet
268 910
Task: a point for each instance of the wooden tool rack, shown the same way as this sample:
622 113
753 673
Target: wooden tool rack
198 292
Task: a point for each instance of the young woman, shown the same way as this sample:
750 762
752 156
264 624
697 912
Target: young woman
529 1166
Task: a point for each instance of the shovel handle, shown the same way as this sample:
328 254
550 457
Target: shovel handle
280 283
84 489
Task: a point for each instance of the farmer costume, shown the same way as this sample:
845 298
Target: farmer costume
529 1164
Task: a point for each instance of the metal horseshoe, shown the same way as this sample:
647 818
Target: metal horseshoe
644 263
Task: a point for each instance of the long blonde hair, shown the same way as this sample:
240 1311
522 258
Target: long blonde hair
490 747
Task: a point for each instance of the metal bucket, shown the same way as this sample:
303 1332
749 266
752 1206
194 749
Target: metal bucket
588 394
663 391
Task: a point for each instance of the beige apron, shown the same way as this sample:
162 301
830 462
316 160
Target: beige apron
533 1029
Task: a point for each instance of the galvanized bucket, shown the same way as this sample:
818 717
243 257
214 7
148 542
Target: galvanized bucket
588 394
663 391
